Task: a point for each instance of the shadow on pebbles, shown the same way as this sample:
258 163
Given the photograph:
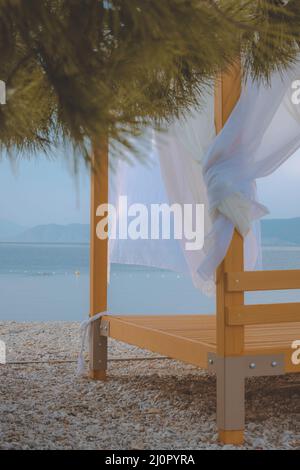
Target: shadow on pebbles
145 404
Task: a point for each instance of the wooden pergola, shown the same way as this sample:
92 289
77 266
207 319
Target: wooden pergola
238 342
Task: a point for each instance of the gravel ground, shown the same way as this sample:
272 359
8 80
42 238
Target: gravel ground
145 404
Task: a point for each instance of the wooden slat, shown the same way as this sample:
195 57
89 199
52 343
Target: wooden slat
160 341
262 280
263 314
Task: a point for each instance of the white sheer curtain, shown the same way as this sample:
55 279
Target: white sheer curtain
190 165
172 174
262 132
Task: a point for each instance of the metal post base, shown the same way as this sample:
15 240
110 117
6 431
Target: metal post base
98 351
231 373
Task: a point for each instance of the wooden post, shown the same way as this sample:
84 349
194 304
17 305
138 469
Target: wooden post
230 339
98 264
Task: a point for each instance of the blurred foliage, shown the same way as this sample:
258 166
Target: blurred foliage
79 70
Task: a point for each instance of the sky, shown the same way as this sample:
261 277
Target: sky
41 191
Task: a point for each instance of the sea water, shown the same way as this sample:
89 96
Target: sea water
47 282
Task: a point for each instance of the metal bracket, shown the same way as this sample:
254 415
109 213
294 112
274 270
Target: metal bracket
104 328
251 365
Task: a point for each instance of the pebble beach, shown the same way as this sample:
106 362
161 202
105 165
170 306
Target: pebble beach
148 402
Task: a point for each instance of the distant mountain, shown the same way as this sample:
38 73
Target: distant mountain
53 233
50 233
281 231
9 230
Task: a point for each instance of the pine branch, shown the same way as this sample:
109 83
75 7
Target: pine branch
79 69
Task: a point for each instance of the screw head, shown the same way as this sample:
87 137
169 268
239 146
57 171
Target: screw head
252 365
273 363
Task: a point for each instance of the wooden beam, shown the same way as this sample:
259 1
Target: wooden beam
98 263
227 93
230 339
262 280
167 343
263 314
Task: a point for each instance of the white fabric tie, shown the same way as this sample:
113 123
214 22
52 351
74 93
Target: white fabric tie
84 331
241 211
